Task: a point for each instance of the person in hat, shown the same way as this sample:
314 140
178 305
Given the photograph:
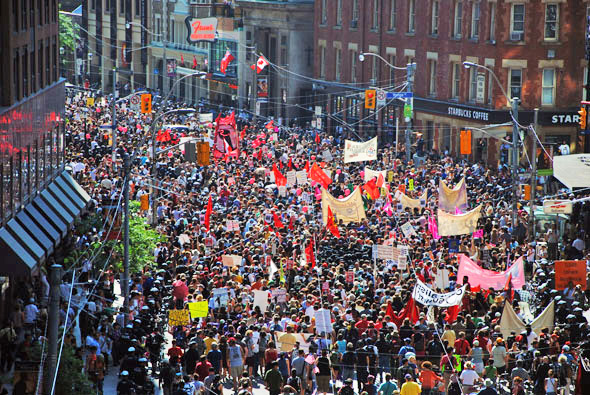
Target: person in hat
410 387
273 379
347 388
125 386
499 355
488 389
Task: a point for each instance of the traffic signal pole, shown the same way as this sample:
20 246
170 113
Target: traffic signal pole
410 77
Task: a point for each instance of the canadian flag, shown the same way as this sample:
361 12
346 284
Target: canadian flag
226 61
261 63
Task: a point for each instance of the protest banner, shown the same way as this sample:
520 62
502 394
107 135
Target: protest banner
291 178
370 174
323 321
566 271
478 276
261 299
198 309
408 202
231 260
426 296
349 276
451 199
178 317
349 209
510 322
301 177
359 152
279 295
408 230
219 298
461 224
286 341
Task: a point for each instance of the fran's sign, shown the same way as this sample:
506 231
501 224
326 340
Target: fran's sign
200 29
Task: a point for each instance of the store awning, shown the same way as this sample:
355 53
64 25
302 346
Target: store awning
31 236
572 170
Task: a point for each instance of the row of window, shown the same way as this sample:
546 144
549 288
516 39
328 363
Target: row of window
480 84
108 4
29 13
34 69
517 18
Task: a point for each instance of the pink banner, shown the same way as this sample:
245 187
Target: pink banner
488 278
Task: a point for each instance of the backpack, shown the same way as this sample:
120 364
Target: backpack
454 389
294 382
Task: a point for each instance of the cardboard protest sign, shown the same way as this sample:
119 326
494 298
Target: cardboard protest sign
261 299
566 271
301 177
349 277
199 309
385 251
323 321
178 317
291 178
219 298
231 260
408 230
279 295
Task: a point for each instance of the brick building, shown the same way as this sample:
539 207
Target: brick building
534 47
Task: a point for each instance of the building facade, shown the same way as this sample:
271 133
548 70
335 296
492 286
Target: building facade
534 47
282 31
38 200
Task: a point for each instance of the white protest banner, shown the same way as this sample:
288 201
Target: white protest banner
370 174
327 156
408 230
462 224
301 177
282 191
219 297
323 321
231 260
232 225
286 341
385 251
359 152
424 295
279 295
261 299
291 178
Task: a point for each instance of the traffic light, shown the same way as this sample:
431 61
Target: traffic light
583 118
465 141
146 103
370 98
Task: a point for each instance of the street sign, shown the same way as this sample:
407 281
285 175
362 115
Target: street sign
134 99
381 95
399 95
557 206
407 111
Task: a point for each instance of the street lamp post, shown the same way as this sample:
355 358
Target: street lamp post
514 117
410 70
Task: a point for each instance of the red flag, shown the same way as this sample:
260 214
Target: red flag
410 311
261 63
452 313
290 164
280 179
253 66
389 311
372 189
291 222
208 213
331 224
508 287
277 221
194 62
318 139
380 181
318 175
309 255
243 133
307 167
270 125
181 59
225 61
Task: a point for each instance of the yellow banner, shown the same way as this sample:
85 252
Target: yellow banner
462 224
178 317
349 209
198 309
449 199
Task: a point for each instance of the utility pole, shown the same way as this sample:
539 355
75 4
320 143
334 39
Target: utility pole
515 139
587 86
254 84
114 123
126 171
154 178
53 326
164 70
411 67
534 178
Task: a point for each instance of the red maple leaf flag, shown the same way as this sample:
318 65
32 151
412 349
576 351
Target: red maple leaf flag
253 66
277 221
331 224
261 63
309 255
226 61
318 175
208 213
280 179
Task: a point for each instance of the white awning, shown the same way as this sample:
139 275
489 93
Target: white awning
572 170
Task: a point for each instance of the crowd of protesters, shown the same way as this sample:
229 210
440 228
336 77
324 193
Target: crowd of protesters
240 345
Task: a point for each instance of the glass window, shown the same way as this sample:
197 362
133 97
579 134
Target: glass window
412 17
355 10
551 21
24 14
15 14
392 14
434 17
374 68
492 21
322 62
548 97
585 79
517 18
324 12
353 56
137 7
337 65
475 14
515 88
455 87
458 22
339 13
432 85
392 71
376 14
472 83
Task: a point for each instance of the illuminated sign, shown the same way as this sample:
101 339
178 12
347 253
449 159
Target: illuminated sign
201 29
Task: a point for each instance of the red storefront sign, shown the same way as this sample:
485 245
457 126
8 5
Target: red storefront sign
201 29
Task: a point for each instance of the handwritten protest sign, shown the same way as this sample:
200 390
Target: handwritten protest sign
219 298
566 271
178 317
261 299
302 177
323 321
349 276
291 178
279 295
231 260
198 309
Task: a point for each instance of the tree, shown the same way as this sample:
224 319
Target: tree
67 40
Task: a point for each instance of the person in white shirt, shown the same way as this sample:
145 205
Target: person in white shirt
31 312
579 244
469 377
564 149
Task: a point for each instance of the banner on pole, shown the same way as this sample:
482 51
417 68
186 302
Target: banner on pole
426 296
360 152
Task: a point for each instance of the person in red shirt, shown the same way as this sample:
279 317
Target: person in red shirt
362 325
202 368
175 353
179 290
461 345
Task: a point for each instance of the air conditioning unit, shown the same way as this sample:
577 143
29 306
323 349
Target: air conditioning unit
354 23
516 36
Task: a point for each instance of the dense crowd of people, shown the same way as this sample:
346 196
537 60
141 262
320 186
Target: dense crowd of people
233 207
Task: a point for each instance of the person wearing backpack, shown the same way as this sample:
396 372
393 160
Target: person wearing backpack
565 374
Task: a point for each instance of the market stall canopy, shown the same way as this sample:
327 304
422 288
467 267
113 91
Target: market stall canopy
572 170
